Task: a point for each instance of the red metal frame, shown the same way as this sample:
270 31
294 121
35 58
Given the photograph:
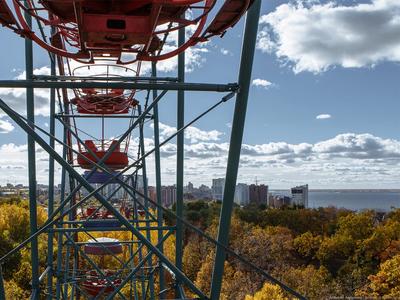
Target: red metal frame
105 101
92 213
93 285
117 159
113 102
112 247
111 28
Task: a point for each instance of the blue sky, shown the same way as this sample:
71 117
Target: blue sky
337 60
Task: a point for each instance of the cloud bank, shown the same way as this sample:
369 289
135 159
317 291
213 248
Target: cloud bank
315 37
347 160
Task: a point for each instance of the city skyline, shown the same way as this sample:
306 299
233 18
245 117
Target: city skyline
323 114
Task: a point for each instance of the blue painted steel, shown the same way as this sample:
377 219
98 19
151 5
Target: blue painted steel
100 177
180 141
2 290
50 203
246 65
31 161
101 223
157 165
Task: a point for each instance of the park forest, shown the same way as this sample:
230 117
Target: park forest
321 253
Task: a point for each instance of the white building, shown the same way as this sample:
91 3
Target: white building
300 195
217 188
242 194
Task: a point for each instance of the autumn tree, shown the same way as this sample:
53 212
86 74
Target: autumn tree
317 221
203 278
235 283
266 248
194 254
382 244
311 282
268 292
14 292
307 245
386 283
337 249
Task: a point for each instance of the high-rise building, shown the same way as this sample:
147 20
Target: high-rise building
242 194
152 193
217 188
168 195
279 201
300 195
203 192
189 187
258 194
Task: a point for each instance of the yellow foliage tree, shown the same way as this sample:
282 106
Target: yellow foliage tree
307 245
203 276
268 292
386 283
268 248
14 292
309 281
194 254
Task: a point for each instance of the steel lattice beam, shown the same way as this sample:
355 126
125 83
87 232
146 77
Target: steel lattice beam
170 86
246 64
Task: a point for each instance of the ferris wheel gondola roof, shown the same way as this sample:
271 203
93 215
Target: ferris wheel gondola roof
119 30
103 246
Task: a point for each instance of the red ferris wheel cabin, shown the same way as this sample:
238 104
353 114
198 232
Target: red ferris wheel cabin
116 160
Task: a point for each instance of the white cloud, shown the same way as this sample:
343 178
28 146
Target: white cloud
346 160
40 71
226 52
14 166
6 126
193 134
262 83
323 116
360 146
194 58
314 37
16 97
